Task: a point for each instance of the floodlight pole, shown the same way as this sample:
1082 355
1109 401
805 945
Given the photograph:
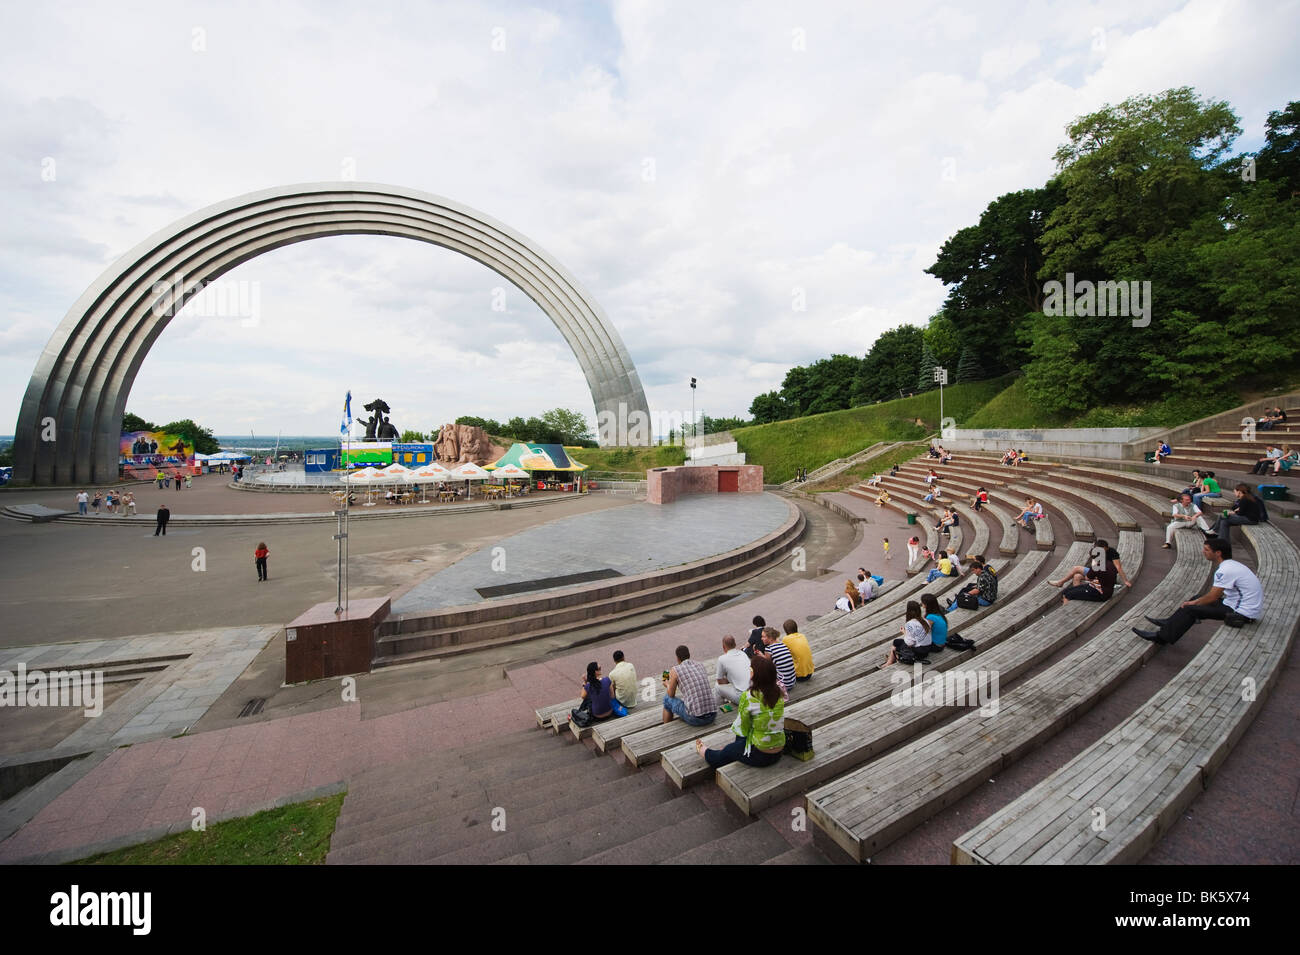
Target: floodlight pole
941 376
692 445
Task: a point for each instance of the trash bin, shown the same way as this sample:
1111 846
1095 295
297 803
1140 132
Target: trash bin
1272 492
911 518
1150 457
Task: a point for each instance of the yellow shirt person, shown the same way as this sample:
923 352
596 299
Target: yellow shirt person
797 644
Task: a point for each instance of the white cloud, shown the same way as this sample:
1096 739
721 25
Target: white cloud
835 159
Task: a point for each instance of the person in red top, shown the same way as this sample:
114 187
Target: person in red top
259 558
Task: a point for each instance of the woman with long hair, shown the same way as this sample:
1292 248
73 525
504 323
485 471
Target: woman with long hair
596 690
759 725
1248 510
937 619
916 636
259 560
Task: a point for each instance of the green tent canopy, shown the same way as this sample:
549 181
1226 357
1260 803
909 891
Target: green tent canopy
538 457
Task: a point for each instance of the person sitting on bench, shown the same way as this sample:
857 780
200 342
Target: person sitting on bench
915 642
936 492
1263 464
759 725
882 498
1033 512
1162 451
1287 461
983 592
1236 598
944 568
980 499
1248 510
1101 558
1185 514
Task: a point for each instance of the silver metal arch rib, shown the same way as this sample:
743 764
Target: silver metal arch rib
84 376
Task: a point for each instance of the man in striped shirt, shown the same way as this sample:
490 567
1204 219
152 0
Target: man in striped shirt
779 654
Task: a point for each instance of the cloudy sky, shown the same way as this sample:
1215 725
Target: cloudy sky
704 169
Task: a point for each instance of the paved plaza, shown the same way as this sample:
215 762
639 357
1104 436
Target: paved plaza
631 540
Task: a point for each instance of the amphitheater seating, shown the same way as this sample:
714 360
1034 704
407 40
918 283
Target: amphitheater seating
845 742
881 769
869 808
1114 800
861 652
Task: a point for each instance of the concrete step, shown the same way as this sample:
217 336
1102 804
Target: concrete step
670 841
626 828
379 816
803 855
633 794
752 844
426 841
418 785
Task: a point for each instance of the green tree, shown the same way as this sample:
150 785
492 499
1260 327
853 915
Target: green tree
490 425
571 425
768 408
889 369
203 440
1279 161
413 437
830 384
943 340
131 423
1141 182
925 377
970 368
991 269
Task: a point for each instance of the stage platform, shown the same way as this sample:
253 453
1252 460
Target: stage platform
623 541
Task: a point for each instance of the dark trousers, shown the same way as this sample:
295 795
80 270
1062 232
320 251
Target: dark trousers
1084 592
261 567
161 528
1185 618
734 752
1223 526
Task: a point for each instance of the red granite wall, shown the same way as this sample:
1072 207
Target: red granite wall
665 485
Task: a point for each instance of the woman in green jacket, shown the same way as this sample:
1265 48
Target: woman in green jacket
759 725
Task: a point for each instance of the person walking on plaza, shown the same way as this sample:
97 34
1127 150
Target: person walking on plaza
623 679
96 501
83 499
1236 598
884 543
688 693
259 559
128 504
159 479
164 515
178 481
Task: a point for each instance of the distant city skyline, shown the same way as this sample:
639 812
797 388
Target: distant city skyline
742 189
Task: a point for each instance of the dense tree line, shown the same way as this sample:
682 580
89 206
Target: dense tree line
202 438
1144 192
557 426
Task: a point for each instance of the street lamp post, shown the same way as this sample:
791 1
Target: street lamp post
941 376
692 412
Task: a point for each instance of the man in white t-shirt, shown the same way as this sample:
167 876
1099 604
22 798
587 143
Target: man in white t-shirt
732 672
82 500
1235 597
866 586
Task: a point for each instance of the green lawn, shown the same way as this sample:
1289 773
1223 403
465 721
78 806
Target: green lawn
297 834
634 461
785 446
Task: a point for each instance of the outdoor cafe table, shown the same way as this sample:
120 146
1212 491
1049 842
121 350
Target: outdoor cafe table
446 495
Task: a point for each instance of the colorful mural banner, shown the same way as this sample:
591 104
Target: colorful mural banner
156 448
538 457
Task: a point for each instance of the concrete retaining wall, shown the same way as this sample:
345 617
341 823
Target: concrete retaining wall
1111 443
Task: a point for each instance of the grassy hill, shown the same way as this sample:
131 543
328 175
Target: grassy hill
631 463
785 446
